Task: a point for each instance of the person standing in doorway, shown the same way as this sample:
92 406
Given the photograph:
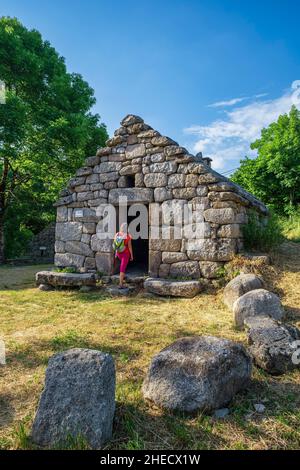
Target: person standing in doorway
122 246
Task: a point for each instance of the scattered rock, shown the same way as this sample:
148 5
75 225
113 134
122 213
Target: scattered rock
221 413
259 408
239 286
258 302
271 344
197 373
55 279
78 399
45 287
166 287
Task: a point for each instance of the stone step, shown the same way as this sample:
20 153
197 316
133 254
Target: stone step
130 278
59 279
166 288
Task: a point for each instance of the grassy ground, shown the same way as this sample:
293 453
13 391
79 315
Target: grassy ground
37 324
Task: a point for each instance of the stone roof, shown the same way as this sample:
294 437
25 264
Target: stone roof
136 139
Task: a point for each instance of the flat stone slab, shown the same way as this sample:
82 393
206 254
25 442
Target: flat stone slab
56 279
131 278
115 291
271 344
197 373
168 288
78 399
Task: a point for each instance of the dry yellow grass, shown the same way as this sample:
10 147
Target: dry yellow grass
37 324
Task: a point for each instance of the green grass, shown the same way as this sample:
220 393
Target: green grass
290 227
36 324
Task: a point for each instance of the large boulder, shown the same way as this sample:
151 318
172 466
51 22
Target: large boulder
258 302
197 373
167 288
239 286
272 344
78 399
55 279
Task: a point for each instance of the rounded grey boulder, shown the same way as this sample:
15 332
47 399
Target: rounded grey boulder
78 399
197 373
272 344
258 302
239 286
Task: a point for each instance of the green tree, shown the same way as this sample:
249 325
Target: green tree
46 128
274 176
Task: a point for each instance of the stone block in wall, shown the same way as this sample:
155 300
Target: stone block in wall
220 216
66 200
86 238
82 188
157 244
210 269
96 186
191 181
84 171
222 249
229 231
148 134
150 150
110 185
108 167
101 244
131 119
116 157
200 203
154 262
89 228
92 179
92 161
105 177
202 190
134 151
173 211
62 214
184 193
222 186
68 231
157 158
169 257
193 168
104 262
90 263
78 248
208 178
154 180
103 151
164 270
162 141
176 181
162 194
173 150
167 168
137 128
59 247
132 139
197 230
76 181
116 140
225 205
85 215
133 195
130 170
69 260
139 180
85 196
97 202
228 196
188 269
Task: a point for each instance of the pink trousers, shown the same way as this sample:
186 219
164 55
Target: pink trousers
124 258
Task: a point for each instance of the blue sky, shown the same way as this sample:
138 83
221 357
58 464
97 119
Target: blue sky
208 73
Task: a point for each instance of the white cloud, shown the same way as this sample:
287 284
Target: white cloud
228 140
232 102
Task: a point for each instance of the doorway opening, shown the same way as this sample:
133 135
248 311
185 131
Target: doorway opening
140 247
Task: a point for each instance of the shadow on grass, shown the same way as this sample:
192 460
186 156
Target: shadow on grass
7 412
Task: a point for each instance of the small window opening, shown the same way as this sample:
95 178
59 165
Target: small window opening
130 181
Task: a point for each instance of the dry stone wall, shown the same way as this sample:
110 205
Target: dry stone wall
145 167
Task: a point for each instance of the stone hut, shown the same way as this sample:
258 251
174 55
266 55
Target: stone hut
150 169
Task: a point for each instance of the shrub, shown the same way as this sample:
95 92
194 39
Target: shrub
66 270
261 234
290 226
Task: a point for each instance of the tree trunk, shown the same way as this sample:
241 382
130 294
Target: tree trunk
2 256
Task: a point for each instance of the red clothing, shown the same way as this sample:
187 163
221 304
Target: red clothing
125 255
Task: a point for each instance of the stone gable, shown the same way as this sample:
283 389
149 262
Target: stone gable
145 167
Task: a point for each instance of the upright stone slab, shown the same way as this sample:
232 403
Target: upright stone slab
258 302
78 399
197 373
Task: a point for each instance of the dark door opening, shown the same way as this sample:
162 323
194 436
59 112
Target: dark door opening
140 247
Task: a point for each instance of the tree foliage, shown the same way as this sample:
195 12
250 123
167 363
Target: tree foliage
46 129
274 176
